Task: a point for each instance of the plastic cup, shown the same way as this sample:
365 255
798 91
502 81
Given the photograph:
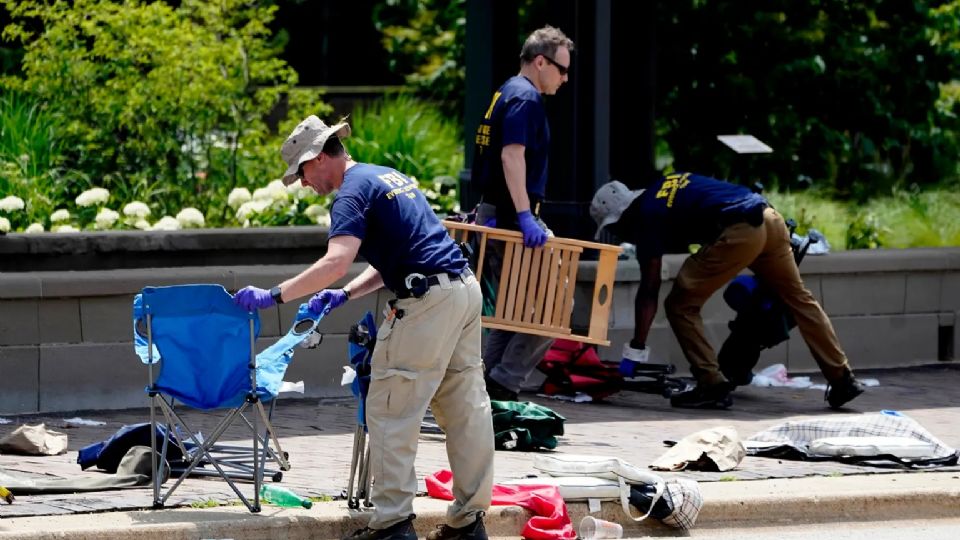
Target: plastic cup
592 528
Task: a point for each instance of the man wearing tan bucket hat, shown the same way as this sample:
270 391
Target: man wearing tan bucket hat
428 349
736 229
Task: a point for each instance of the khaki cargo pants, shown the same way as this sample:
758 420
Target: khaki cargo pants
766 251
430 356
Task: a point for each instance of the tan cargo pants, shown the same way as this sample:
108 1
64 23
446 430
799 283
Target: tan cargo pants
766 251
430 356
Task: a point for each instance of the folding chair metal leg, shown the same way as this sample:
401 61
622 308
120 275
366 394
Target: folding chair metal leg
355 460
364 490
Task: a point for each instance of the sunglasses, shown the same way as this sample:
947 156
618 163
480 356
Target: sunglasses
300 168
562 69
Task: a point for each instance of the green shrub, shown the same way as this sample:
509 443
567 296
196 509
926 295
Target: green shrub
155 102
813 211
415 138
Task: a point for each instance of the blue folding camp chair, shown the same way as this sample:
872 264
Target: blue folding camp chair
363 337
204 345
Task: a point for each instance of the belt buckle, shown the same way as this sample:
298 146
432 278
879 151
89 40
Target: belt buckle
418 289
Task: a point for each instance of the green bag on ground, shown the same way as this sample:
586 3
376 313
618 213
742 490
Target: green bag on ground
522 425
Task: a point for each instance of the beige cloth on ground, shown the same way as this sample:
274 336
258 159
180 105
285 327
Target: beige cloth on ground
34 440
718 449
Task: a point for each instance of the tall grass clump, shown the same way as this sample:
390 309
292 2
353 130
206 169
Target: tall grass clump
813 211
414 137
915 218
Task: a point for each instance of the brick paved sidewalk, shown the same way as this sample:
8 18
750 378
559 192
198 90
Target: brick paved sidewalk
318 436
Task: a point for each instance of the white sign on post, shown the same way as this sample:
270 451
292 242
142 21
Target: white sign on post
745 144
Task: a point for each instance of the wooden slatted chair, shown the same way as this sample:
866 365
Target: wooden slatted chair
536 285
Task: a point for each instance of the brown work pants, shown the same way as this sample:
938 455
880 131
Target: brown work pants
764 249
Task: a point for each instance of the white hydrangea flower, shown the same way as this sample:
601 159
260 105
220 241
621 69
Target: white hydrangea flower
106 218
166 223
11 203
298 191
136 209
4 225
274 191
64 229
34 228
142 224
323 220
93 196
249 208
238 196
315 210
60 215
190 217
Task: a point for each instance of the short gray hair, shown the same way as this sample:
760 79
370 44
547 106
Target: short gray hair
544 41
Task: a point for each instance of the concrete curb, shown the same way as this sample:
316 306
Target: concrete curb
876 497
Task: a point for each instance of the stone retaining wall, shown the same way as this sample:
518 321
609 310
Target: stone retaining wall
65 336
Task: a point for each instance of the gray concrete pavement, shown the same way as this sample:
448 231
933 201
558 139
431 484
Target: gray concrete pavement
318 436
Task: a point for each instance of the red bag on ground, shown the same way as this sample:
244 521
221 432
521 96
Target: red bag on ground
550 521
571 367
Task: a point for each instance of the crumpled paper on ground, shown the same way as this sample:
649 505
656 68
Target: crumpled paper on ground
714 449
776 375
34 440
77 421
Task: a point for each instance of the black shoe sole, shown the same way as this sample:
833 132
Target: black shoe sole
845 401
722 403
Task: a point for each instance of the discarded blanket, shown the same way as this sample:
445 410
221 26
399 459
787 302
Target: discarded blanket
132 471
34 440
868 439
107 454
550 521
522 425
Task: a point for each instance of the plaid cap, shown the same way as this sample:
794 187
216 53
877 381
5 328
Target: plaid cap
685 496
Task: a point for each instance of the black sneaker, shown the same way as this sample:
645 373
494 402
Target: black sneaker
398 531
843 391
499 392
473 531
738 378
716 396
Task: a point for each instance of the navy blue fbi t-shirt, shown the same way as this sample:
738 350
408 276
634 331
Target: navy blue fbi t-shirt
398 230
683 209
515 116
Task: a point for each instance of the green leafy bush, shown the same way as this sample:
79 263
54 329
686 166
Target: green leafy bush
154 101
415 138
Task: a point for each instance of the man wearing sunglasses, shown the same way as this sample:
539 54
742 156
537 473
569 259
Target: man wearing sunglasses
510 167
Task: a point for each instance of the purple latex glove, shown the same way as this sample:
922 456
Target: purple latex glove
251 298
332 298
533 233
491 222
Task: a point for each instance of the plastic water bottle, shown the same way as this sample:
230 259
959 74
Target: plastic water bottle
282 496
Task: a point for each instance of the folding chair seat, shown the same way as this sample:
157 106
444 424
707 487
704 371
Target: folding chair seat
202 347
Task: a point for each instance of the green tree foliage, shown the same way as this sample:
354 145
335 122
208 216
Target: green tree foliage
158 102
425 41
843 91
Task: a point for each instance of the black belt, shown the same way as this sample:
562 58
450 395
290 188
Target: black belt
417 285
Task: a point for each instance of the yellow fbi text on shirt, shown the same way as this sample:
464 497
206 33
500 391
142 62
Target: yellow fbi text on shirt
483 130
398 185
672 184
